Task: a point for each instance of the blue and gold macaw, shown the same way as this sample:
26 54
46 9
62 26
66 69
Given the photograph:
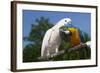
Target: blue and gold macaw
75 36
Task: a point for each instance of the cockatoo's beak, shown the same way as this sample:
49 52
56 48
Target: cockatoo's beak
68 24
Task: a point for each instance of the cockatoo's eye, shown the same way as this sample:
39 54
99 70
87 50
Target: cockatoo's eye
65 20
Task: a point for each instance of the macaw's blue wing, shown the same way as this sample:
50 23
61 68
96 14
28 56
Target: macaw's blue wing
81 36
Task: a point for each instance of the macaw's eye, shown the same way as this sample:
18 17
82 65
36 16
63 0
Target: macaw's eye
65 20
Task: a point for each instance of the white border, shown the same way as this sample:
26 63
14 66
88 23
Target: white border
21 65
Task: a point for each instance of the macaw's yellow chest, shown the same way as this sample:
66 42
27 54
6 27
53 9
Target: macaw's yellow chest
74 38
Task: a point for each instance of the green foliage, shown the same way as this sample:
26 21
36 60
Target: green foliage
32 51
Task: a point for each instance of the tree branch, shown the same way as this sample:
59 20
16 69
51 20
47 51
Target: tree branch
75 48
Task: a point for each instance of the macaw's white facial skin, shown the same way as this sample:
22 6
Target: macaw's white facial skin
52 39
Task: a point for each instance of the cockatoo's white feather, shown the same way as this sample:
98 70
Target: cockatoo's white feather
52 39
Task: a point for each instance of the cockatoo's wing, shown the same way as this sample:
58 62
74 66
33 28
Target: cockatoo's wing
45 41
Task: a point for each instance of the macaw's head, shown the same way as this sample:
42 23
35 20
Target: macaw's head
65 34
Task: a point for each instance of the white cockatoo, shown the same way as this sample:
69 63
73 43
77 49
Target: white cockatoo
52 38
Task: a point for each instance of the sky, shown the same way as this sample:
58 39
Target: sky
80 20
